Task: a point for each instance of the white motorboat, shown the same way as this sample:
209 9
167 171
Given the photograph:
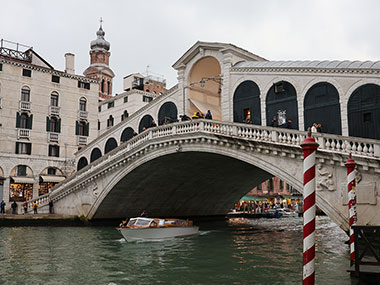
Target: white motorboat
142 228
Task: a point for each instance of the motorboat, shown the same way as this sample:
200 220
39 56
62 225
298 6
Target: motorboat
142 228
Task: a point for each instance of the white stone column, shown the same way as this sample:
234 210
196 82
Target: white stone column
226 97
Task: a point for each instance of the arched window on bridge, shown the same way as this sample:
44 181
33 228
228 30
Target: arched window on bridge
126 134
146 122
282 102
95 154
364 112
321 106
110 145
247 103
168 113
82 163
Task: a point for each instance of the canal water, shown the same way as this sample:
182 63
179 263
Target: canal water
239 251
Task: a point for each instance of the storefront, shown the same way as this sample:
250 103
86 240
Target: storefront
21 188
47 182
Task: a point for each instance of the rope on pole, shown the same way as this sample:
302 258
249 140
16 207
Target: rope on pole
309 147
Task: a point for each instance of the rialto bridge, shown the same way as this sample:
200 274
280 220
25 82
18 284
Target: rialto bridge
202 167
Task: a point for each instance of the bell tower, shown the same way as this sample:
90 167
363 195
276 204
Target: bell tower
99 64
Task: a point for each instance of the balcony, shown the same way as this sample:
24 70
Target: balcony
23 133
25 105
53 137
82 115
54 110
81 140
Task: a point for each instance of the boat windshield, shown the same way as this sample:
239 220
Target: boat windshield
131 222
141 222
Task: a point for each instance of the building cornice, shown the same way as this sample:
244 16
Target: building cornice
47 70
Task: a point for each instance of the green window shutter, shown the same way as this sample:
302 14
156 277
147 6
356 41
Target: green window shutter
86 130
18 120
76 127
29 148
59 126
17 143
47 124
30 121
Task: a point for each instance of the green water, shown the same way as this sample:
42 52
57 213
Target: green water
262 251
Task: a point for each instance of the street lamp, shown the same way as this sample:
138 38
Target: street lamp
218 79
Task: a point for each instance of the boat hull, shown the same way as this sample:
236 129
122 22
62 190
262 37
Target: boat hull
157 233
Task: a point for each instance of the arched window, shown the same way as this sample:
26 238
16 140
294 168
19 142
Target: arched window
145 123
102 86
82 104
82 163
110 145
54 99
54 124
25 94
110 121
95 154
124 115
247 103
167 114
108 88
24 121
127 134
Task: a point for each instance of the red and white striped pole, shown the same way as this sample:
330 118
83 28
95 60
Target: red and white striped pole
309 147
351 183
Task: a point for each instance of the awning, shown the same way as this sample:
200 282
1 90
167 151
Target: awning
291 197
23 179
252 198
52 178
203 107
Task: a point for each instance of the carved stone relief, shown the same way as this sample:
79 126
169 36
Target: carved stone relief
325 178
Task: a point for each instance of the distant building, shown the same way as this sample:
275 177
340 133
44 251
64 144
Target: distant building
272 188
46 115
148 83
99 65
116 109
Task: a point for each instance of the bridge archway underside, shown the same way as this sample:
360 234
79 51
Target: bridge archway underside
182 184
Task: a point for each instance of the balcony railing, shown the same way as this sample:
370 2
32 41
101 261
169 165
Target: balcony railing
82 115
53 137
54 110
23 133
25 105
81 140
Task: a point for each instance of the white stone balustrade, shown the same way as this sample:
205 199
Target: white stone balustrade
53 137
23 133
82 115
81 140
54 110
25 105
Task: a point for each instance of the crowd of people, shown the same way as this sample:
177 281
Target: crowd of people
14 207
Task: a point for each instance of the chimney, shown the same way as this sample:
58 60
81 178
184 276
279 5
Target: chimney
69 60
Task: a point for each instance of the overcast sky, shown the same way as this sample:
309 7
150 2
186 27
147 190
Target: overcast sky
157 33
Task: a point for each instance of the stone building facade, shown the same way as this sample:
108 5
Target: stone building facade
147 83
46 115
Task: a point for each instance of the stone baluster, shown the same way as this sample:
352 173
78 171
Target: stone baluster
275 136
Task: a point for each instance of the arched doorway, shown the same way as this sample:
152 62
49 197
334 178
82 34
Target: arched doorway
110 145
282 102
126 134
145 123
204 88
95 154
364 112
321 106
82 163
168 113
247 103
21 183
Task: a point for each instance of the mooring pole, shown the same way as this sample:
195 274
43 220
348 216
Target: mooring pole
309 147
351 183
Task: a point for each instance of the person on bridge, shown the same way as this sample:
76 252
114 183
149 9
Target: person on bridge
274 122
35 207
134 133
14 208
51 207
185 118
153 124
289 124
208 115
2 207
25 208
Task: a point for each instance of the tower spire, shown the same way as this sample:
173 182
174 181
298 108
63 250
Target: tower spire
101 23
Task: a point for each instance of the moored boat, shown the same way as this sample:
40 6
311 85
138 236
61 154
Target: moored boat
142 228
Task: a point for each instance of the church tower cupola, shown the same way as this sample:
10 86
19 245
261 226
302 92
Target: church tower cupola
99 64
